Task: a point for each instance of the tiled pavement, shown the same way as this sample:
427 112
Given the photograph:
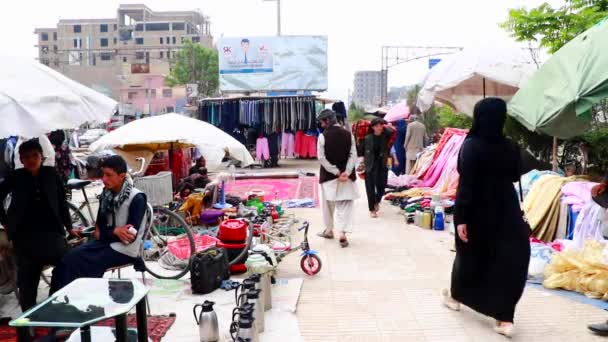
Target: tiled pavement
385 286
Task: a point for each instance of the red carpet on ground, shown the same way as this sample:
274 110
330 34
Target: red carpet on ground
157 328
281 188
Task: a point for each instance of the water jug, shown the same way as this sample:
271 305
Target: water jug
207 322
253 297
266 281
239 293
246 331
427 219
439 223
257 279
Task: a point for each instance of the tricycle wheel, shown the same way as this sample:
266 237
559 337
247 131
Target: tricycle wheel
311 264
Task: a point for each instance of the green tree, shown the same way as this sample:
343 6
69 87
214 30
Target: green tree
551 28
412 98
195 64
449 118
355 113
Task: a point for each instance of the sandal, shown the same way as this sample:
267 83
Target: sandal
373 214
343 243
325 235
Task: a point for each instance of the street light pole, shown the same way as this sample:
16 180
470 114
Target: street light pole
278 16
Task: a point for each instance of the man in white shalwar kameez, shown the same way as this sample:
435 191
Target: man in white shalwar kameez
337 154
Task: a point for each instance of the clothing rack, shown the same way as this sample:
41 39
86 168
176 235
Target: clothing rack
268 114
273 126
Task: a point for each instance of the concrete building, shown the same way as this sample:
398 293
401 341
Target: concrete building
368 89
126 57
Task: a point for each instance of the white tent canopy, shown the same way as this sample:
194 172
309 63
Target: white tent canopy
35 100
158 132
462 79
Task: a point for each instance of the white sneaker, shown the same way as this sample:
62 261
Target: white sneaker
506 330
448 301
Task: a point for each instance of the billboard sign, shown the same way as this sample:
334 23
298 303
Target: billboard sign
273 63
433 62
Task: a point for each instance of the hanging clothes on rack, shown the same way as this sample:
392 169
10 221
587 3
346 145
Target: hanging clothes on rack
288 141
262 149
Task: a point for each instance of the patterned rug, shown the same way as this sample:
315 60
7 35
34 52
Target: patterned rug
281 188
157 328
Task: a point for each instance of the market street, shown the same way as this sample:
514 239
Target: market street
385 287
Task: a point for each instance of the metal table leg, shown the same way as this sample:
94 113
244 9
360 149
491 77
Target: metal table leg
122 333
142 321
85 334
23 335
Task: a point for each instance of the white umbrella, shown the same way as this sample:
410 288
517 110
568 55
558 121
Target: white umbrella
35 99
161 132
474 73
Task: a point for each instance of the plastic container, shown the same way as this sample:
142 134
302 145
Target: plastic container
181 247
158 188
439 222
257 193
233 231
427 220
418 218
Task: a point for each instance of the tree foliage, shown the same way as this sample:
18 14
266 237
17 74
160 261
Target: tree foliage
355 113
450 118
195 63
552 28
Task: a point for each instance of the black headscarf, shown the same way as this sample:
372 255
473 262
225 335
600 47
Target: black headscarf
489 117
57 138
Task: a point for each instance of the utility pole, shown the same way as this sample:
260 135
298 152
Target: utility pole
395 55
278 16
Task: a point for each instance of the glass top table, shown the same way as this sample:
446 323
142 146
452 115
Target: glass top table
87 301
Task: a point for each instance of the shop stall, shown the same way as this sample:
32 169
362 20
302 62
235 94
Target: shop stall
272 127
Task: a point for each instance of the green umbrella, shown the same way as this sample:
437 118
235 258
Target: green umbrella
557 100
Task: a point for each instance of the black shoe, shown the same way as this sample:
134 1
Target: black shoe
600 329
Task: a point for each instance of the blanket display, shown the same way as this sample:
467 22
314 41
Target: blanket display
542 205
584 271
435 172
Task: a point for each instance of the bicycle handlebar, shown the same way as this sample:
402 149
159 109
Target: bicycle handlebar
141 167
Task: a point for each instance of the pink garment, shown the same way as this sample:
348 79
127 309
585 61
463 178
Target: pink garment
308 148
288 145
262 152
577 194
447 157
404 180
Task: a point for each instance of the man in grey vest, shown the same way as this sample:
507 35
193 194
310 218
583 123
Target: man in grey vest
337 154
118 231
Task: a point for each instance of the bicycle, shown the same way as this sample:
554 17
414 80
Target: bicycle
163 227
310 263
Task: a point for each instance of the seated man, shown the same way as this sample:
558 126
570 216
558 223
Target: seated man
118 231
187 185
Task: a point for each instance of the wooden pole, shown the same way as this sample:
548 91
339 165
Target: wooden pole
554 154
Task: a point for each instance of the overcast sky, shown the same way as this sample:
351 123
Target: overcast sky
356 29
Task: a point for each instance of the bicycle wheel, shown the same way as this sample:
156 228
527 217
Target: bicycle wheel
168 245
78 219
311 264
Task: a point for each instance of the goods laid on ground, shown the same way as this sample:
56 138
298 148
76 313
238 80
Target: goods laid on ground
569 249
431 187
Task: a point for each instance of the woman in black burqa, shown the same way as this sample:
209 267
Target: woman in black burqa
492 246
